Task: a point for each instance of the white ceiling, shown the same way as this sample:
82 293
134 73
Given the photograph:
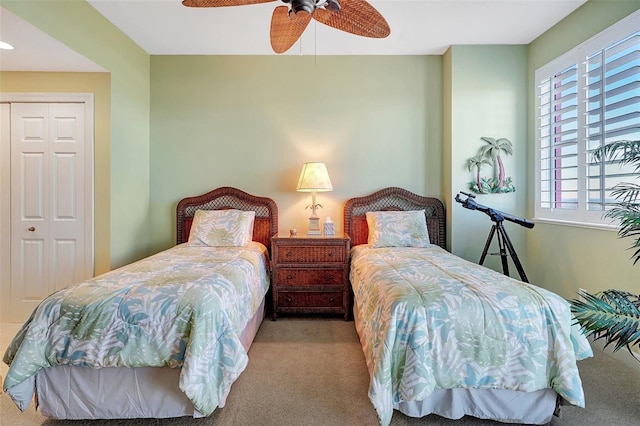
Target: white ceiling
34 50
166 27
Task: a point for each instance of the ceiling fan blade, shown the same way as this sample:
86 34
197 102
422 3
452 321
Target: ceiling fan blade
285 31
356 17
221 3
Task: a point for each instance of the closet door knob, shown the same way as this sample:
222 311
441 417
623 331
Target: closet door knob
31 229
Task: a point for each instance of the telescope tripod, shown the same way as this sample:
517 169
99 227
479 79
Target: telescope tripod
504 243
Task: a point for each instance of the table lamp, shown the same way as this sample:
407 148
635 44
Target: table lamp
314 178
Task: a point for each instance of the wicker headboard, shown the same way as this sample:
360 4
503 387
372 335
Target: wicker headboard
355 222
265 224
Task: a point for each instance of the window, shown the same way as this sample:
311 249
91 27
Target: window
586 98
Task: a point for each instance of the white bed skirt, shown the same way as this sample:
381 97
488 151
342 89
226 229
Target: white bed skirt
501 405
495 404
79 393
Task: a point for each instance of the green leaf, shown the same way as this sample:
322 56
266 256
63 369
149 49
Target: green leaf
612 315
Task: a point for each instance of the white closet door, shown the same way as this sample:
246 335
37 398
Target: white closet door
47 201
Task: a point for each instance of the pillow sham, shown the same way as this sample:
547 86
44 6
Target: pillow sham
221 228
398 229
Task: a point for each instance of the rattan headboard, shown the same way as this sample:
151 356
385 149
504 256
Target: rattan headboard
355 222
265 224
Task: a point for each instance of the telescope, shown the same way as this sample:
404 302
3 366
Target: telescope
504 242
495 215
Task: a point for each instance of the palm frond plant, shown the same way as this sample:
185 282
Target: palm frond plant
614 315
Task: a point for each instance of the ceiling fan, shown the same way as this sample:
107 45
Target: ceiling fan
289 22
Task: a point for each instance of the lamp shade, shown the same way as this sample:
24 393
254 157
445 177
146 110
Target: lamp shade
314 176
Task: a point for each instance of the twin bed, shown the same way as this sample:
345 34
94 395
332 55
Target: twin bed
110 347
439 334
445 336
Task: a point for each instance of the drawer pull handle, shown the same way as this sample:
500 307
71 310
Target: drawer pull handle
288 254
289 277
289 299
330 254
332 299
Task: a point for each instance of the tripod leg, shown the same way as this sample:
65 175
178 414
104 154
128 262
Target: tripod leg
514 256
487 244
503 252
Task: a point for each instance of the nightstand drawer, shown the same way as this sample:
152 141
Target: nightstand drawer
307 277
311 254
310 299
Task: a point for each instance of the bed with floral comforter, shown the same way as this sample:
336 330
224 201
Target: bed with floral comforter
430 320
181 308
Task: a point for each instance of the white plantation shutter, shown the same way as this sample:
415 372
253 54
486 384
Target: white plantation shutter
612 113
586 98
558 140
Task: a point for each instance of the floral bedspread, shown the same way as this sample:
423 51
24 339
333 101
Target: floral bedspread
183 307
431 320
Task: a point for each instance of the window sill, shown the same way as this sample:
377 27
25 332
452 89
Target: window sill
602 227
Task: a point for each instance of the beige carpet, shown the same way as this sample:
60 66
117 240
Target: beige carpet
312 372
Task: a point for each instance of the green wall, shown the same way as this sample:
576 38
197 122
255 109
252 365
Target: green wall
251 122
567 258
485 96
79 26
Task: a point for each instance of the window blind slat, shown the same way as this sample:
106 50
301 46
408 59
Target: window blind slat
630 42
564 88
623 61
628 89
627 73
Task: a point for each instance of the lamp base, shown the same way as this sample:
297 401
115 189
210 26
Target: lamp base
314 226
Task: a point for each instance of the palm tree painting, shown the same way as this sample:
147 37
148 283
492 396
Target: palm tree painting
493 151
490 154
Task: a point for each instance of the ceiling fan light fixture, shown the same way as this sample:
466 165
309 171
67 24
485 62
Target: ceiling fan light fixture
332 5
305 6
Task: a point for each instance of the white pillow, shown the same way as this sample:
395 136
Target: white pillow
221 228
398 229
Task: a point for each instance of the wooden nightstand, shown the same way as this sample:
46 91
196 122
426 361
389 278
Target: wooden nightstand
310 275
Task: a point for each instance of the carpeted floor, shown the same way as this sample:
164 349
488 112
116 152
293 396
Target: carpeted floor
312 372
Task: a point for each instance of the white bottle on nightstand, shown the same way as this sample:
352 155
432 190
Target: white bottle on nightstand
328 227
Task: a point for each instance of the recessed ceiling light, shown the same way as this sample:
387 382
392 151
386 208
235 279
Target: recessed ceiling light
5 46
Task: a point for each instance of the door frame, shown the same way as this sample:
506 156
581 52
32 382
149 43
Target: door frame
5 186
